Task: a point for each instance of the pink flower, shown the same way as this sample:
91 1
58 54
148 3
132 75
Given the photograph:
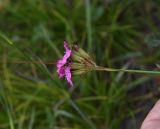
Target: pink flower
63 68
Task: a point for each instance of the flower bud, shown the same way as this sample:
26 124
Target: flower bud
81 61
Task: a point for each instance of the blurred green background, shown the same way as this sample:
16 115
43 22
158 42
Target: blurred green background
112 31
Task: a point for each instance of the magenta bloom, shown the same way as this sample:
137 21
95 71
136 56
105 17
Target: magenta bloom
63 65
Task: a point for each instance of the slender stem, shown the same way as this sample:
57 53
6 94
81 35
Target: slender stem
31 62
99 68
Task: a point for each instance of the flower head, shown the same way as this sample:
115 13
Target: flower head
75 61
63 65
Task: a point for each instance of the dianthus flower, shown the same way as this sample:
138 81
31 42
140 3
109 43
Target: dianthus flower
63 65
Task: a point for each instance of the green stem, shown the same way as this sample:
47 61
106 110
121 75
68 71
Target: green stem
99 68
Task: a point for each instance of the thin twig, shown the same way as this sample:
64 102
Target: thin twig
31 62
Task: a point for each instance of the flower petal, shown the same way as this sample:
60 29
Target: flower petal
68 75
66 46
59 63
67 54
